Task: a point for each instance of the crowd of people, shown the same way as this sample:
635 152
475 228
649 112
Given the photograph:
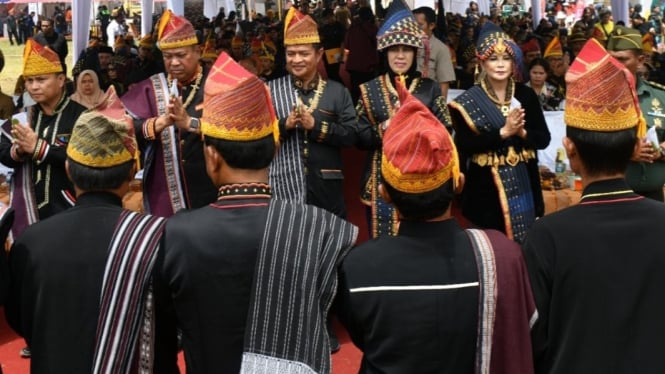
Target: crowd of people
242 253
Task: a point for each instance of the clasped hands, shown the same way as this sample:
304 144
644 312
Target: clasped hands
514 124
24 139
299 117
176 114
646 152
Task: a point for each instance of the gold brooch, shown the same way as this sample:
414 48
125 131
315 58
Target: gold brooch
500 46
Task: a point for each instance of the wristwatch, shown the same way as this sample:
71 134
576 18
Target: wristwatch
194 124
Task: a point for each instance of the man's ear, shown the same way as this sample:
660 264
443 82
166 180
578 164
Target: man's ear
67 170
569 146
460 184
211 157
132 172
384 194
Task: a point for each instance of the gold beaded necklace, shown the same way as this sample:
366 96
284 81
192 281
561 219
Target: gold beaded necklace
504 105
318 92
195 87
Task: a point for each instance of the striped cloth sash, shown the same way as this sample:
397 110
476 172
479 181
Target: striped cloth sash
125 303
162 166
482 248
23 200
287 177
22 196
295 282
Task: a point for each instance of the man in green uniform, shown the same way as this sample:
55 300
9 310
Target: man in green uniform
646 173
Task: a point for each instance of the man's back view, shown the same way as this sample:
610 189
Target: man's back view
79 279
434 298
248 279
597 268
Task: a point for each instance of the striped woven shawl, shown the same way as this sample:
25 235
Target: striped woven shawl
294 285
125 304
287 177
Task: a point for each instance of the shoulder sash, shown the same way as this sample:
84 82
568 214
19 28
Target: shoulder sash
126 295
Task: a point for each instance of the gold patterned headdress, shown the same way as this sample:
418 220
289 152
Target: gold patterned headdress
600 93
236 104
399 28
493 39
146 41
104 136
209 51
300 28
175 32
554 48
38 60
648 43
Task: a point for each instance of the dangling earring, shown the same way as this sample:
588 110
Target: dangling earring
478 74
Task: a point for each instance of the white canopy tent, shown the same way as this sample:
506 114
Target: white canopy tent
619 10
82 16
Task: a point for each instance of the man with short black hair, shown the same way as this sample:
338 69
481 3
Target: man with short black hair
594 267
48 37
332 35
440 65
12 27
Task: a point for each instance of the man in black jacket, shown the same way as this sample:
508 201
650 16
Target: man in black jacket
48 37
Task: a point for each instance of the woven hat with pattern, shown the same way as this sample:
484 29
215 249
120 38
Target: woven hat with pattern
265 54
39 60
174 32
209 52
119 42
419 154
300 28
623 39
399 28
237 41
492 38
146 41
257 46
236 104
104 136
577 37
269 45
554 48
470 53
600 93
648 42
530 46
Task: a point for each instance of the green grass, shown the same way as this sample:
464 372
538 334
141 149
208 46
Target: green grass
14 64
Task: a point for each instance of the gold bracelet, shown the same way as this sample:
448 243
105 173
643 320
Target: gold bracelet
151 128
37 150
